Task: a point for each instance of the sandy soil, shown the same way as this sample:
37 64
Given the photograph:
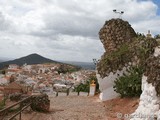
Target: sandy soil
120 108
84 108
71 108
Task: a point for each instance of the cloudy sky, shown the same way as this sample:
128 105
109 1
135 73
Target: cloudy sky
67 29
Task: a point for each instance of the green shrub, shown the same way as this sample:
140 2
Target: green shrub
2 104
83 87
130 85
15 97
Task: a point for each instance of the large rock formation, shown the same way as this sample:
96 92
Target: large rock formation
123 49
149 106
114 33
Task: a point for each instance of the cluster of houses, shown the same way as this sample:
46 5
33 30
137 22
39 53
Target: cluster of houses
30 79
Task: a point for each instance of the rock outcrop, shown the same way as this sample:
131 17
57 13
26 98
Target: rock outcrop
40 103
123 49
149 106
114 33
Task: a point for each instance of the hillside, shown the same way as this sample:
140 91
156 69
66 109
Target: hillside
30 59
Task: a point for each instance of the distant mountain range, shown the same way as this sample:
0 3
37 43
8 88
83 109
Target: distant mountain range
30 60
1 60
84 65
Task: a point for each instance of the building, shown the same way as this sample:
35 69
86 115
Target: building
13 66
13 88
149 34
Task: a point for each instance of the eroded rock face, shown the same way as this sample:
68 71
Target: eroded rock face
114 33
149 106
123 49
153 72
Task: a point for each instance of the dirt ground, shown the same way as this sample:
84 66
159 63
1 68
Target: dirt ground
84 108
71 108
120 108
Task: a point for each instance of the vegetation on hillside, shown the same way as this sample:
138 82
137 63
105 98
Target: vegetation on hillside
64 68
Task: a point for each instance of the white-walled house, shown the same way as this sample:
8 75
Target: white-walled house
27 67
4 81
13 66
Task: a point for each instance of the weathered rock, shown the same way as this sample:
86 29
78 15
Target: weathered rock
149 107
122 46
153 72
115 31
40 103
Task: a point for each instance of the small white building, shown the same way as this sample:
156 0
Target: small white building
13 66
27 67
3 81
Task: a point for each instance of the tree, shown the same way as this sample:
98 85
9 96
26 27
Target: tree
12 79
157 36
3 72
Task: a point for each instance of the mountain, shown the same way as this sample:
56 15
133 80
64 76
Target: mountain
84 65
30 59
1 60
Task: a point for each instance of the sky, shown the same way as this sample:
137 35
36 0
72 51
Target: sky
68 29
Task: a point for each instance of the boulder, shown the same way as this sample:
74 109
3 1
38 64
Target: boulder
40 103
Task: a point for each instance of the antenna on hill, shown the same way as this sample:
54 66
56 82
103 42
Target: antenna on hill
118 12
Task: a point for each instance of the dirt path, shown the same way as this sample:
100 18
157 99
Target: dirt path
71 108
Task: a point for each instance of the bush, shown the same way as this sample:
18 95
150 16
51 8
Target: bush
15 97
130 85
2 104
84 87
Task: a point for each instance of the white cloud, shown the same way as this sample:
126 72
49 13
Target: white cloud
66 30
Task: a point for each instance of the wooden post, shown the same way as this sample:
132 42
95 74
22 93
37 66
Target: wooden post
20 116
67 91
78 93
56 93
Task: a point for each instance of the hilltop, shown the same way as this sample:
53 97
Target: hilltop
29 59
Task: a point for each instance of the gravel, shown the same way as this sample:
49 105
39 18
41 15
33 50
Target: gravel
71 108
